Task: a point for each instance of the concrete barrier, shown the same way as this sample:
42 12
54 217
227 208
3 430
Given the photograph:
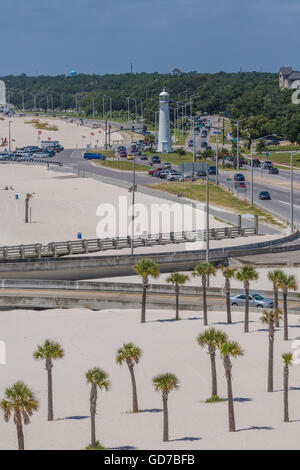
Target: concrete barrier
79 268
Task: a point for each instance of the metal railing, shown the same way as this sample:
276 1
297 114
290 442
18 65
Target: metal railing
78 247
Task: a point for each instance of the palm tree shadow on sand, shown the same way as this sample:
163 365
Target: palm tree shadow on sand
75 418
122 448
190 439
153 410
173 320
242 400
224 323
257 428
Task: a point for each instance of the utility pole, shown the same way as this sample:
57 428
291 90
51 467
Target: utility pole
76 106
110 102
175 124
34 103
103 107
194 147
93 107
128 99
23 102
238 146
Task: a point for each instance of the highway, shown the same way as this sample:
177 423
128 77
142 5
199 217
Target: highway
9 297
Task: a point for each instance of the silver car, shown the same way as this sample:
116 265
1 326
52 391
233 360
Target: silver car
255 300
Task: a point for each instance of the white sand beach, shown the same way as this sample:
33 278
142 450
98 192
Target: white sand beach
92 338
64 205
69 134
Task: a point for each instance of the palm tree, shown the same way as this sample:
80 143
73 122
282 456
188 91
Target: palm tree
230 350
97 378
286 283
165 383
246 274
49 352
204 270
146 268
177 279
273 276
287 360
228 273
212 338
271 318
21 402
131 354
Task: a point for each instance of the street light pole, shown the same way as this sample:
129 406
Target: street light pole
133 207
207 218
9 136
292 193
238 146
194 147
252 173
217 160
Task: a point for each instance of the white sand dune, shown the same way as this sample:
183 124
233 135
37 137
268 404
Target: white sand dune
92 338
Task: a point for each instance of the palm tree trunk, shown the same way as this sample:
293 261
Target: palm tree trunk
135 407
143 315
20 433
204 301
93 408
212 354
228 367
271 359
50 389
246 307
285 317
228 304
286 394
276 304
166 419
177 301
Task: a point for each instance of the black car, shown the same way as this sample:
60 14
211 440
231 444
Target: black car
212 170
256 162
155 159
204 145
239 177
273 171
201 174
264 196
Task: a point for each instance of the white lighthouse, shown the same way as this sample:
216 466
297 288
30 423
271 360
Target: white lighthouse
164 138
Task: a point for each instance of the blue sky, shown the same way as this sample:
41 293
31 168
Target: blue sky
105 36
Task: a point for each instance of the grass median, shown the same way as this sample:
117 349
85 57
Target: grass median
219 197
121 165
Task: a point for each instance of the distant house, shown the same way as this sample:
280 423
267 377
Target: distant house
176 72
289 78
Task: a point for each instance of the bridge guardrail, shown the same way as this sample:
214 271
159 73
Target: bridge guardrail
67 248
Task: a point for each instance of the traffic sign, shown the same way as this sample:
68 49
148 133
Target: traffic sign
267 154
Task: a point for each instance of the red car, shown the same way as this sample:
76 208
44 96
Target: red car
153 170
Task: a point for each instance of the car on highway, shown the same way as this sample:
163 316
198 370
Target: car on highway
130 157
167 166
264 196
90 156
256 163
273 171
255 300
144 156
123 154
163 174
201 173
204 145
212 170
155 160
153 170
174 176
239 177
267 164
